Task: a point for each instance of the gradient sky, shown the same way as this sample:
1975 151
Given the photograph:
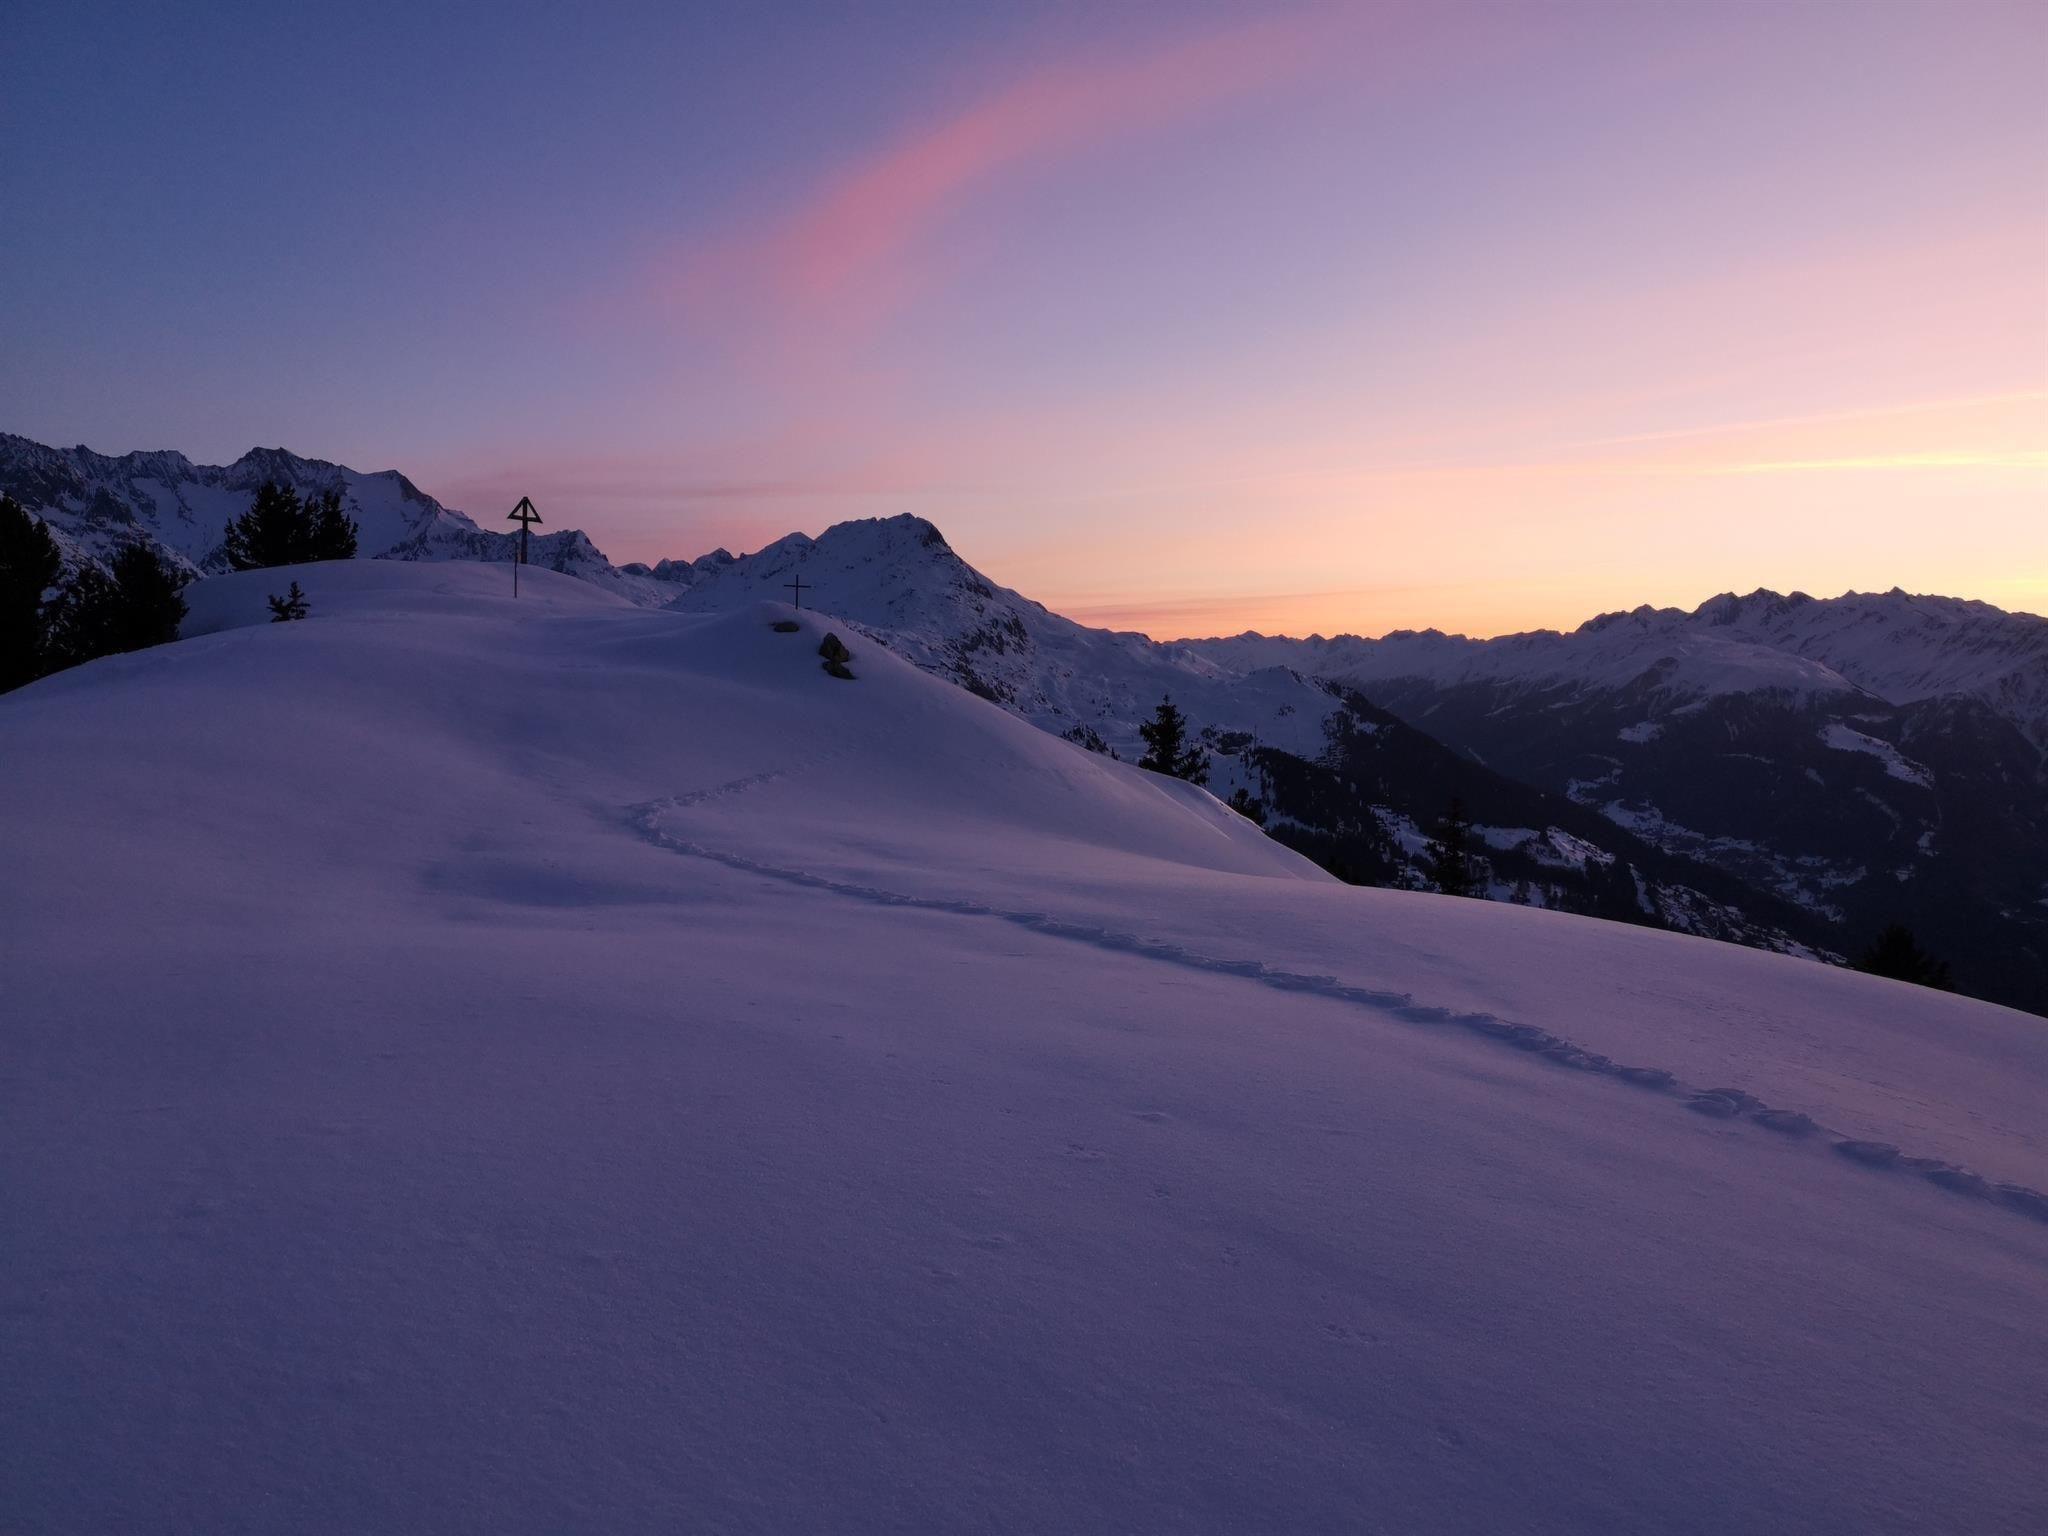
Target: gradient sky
1188 318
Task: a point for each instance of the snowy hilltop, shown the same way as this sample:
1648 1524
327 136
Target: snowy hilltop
570 1065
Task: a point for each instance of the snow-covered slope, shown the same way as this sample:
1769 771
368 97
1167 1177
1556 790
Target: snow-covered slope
898 578
565 1066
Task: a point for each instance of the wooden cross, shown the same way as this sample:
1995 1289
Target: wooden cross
525 517
797 587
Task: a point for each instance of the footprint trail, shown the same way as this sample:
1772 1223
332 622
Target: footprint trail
1713 1103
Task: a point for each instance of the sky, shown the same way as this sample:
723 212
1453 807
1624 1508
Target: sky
1187 318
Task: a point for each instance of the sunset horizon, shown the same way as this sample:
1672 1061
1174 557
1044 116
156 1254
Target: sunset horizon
1335 319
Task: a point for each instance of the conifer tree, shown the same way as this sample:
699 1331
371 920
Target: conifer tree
331 533
29 566
101 613
152 598
1166 745
283 610
270 533
80 620
1449 853
1897 954
280 529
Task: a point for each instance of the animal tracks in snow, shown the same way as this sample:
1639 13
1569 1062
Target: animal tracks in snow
1732 1104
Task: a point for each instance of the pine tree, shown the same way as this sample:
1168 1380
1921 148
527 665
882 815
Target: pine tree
1897 954
283 610
280 529
29 566
100 613
152 598
1166 745
1449 853
81 620
331 533
1252 810
270 533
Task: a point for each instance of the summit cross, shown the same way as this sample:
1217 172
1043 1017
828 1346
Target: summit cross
525 516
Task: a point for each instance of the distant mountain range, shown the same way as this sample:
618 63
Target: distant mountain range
1782 771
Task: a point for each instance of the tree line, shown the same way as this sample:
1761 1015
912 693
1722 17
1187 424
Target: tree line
137 599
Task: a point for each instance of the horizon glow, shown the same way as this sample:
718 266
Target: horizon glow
1480 317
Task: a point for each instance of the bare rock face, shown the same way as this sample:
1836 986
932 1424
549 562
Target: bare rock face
832 648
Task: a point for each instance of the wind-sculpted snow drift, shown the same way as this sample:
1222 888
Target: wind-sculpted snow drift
564 1066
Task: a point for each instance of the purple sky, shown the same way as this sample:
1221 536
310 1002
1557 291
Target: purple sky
1189 317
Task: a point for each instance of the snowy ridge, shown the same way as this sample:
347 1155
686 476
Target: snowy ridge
899 580
94 502
97 501
1891 646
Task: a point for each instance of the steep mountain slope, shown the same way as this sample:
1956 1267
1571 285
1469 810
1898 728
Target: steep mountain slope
1903 647
571 1066
1368 805
1872 758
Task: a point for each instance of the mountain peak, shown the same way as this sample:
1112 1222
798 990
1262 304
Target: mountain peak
905 528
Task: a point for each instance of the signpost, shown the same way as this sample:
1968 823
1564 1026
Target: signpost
797 587
525 517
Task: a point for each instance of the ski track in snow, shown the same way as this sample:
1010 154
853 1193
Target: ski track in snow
1714 1103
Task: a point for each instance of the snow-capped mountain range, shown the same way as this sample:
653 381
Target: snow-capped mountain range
1893 646
1780 770
94 502
1872 757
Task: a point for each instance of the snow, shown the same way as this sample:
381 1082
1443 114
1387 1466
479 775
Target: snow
1896 646
1618 650
1504 838
1844 739
569 1066
899 581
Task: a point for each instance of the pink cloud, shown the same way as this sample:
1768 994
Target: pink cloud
840 259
